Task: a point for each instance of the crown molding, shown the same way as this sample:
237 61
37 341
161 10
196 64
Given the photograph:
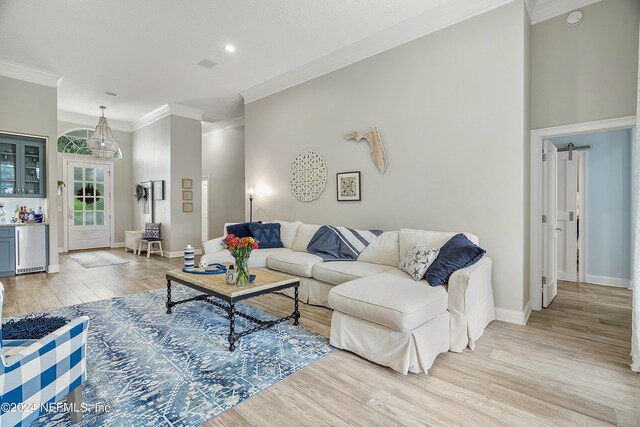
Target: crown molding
547 9
442 16
187 112
92 121
29 74
166 110
211 128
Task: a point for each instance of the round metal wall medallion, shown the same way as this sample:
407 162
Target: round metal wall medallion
307 176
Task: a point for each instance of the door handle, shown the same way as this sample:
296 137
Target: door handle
558 229
18 245
70 214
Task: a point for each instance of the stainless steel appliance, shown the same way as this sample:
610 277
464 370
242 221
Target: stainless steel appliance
31 248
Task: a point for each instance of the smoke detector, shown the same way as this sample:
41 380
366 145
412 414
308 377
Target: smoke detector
574 18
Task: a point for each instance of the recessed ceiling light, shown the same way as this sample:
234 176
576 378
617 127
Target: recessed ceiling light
574 18
229 48
207 63
111 93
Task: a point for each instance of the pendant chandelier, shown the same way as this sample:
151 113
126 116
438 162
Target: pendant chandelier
101 143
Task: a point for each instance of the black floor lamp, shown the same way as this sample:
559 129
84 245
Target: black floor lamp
251 193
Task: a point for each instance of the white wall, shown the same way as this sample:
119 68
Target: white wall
223 163
587 72
451 108
152 161
609 221
170 149
123 188
186 162
32 109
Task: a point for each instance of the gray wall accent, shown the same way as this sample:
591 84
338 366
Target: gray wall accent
32 109
152 161
186 162
587 72
223 163
609 221
122 175
171 149
451 110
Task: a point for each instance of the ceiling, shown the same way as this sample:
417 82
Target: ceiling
147 50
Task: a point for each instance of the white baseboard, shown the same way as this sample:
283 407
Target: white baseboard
514 316
117 245
608 281
178 254
53 268
61 250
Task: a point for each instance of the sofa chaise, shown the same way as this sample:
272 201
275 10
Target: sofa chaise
380 312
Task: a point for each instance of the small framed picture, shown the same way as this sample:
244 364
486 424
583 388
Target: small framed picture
348 186
158 190
187 195
187 183
187 207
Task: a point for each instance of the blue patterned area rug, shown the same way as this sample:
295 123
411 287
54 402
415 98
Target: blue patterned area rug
156 369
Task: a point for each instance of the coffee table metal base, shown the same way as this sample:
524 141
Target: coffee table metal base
230 308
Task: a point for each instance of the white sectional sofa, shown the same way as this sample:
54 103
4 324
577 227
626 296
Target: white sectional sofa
380 312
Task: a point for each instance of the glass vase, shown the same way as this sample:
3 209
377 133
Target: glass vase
242 269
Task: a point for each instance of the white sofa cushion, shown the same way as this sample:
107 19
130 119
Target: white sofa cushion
430 239
305 233
392 299
258 257
338 272
385 249
288 232
296 263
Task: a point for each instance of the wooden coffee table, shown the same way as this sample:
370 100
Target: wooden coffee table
215 285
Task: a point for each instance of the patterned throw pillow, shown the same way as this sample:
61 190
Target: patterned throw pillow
151 230
267 235
417 260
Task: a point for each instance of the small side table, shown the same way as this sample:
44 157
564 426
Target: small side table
131 240
150 249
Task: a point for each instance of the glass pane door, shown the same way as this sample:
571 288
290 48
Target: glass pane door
89 196
32 166
8 168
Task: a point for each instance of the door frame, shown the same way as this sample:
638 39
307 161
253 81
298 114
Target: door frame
582 226
535 186
66 158
205 202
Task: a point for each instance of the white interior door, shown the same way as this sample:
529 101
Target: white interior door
205 209
88 205
567 215
550 225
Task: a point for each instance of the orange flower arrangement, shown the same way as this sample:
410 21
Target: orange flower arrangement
240 248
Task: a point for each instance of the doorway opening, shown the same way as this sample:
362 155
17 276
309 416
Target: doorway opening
205 208
581 199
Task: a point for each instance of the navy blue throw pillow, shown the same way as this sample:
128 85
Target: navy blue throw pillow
459 252
242 229
267 235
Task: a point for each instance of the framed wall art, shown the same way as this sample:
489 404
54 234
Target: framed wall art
187 195
187 207
348 186
187 183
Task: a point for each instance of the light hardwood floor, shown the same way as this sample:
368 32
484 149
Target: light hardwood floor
568 366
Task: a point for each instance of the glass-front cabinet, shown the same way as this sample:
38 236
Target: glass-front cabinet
22 171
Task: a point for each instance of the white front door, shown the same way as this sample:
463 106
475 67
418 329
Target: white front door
567 216
88 205
205 209
550 225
